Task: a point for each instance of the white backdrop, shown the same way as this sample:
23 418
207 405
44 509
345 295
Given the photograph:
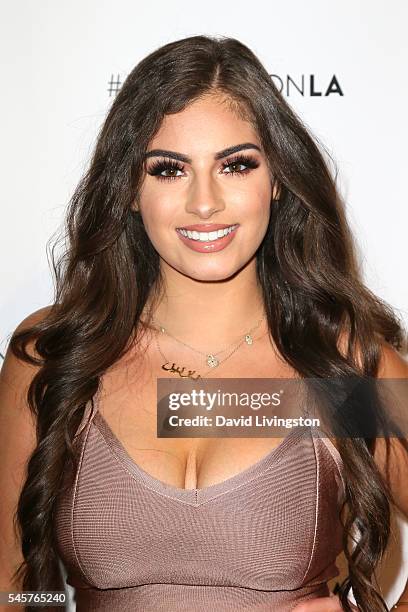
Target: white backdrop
59 57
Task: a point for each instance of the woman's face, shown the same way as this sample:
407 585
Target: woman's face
233 190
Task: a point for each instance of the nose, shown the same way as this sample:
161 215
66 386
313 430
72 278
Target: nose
204 198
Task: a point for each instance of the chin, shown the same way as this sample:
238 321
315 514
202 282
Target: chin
208 273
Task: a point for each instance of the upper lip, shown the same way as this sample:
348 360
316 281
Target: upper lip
206 227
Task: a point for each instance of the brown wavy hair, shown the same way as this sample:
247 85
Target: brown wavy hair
307 267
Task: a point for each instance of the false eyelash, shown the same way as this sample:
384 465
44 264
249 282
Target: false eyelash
246 160
169 164
158 166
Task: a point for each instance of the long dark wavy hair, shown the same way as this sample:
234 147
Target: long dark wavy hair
307 266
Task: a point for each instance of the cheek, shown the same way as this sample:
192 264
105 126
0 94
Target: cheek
265 193
255 216
257 205
155 210
157 221
153 225
257 191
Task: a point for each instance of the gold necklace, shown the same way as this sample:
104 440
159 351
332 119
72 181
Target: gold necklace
211 360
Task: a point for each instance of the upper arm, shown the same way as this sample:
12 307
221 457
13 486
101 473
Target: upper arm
17 442
395 471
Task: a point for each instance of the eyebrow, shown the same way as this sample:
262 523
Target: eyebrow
184 158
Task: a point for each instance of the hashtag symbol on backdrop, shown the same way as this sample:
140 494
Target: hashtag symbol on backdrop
114 85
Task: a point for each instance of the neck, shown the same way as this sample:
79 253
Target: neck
205 313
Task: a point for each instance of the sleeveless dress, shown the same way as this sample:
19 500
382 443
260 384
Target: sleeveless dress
265 539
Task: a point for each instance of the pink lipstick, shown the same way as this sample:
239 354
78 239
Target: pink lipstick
207 237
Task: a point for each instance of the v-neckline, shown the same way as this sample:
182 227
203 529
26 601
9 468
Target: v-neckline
195 496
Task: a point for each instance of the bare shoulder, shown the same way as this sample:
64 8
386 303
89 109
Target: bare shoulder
394 468
392 365
17 442
34 317
15 378
17 374
14 371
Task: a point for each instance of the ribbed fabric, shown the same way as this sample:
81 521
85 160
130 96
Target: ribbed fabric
264 539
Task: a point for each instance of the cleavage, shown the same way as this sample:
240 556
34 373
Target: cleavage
130 410
185 463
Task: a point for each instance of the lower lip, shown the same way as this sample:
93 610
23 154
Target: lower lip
212 246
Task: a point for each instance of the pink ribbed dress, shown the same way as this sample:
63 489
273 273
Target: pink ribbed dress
264 539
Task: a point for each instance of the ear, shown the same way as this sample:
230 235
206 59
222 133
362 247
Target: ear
276 192
276 188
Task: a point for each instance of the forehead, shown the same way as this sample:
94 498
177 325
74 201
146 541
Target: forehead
205 125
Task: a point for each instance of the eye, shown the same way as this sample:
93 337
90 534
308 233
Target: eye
160 166
241 160
171 166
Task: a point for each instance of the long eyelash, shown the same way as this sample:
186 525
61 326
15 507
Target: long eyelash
246 160
160 165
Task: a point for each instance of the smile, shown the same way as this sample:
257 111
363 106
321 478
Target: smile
207 242
207 236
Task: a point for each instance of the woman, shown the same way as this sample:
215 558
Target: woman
198 140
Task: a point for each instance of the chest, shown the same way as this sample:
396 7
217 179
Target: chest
128 405
119 527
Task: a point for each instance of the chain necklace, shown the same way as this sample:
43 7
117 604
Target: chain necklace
211 360
208 356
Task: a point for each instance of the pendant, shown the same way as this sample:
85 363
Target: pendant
212 361
248 339
174 369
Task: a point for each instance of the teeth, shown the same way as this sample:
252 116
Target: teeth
207 236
